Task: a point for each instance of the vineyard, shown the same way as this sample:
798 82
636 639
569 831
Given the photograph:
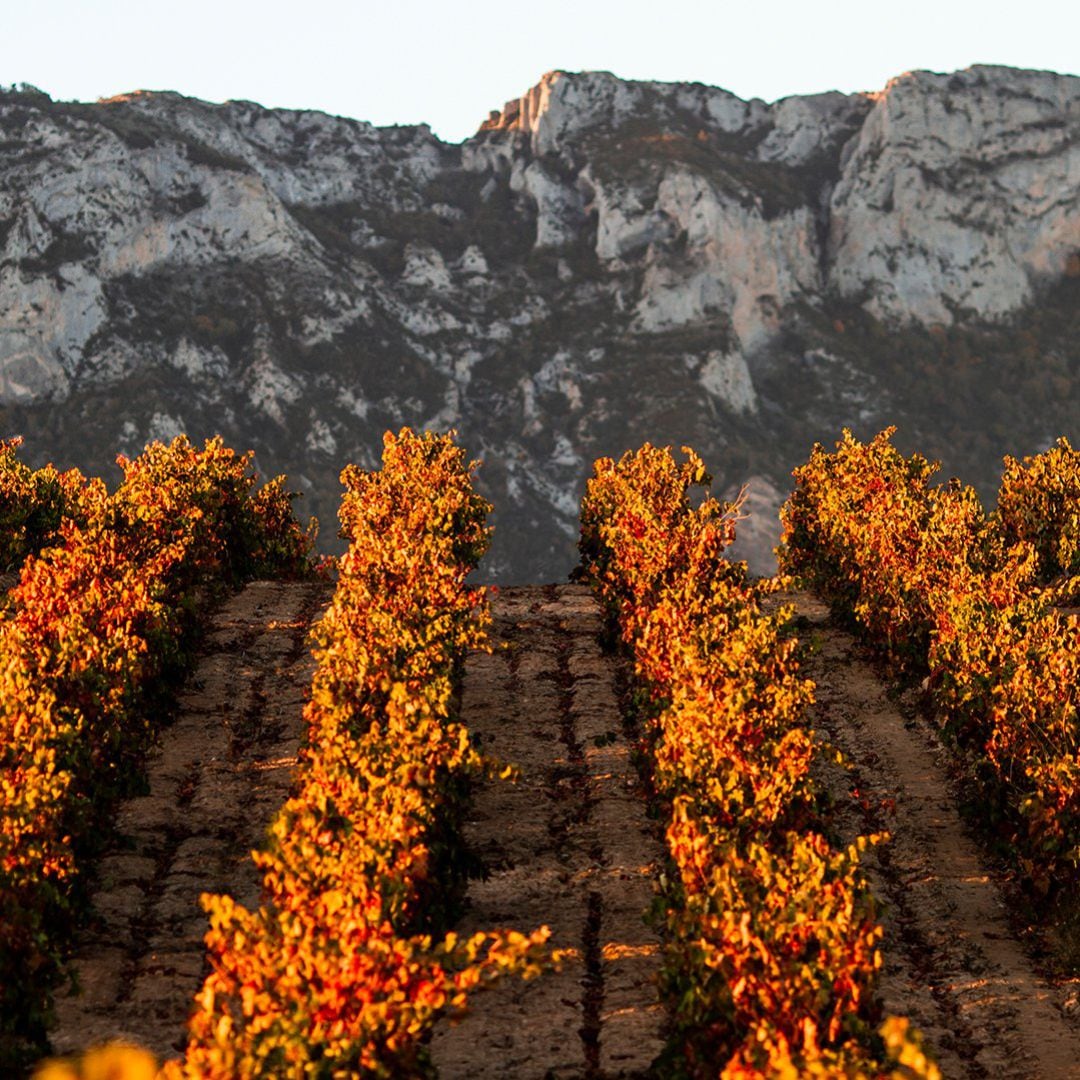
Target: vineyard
269 815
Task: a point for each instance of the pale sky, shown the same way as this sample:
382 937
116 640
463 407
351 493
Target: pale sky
448 64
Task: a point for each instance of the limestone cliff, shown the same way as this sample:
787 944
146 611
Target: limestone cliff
604 262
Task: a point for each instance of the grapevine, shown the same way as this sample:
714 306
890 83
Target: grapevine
773 940
101 624
342 971
968 600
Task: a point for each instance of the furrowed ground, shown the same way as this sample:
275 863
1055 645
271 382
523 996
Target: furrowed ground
952 962
571 844
222 770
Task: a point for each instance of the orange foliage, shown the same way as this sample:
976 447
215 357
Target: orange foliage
942 588
1039 502
33 505
339 973
97 625
772 935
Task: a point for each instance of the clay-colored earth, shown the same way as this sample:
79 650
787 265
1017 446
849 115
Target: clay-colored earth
951 960
222 769
569 846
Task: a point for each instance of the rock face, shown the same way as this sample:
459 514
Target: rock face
959 195
605 262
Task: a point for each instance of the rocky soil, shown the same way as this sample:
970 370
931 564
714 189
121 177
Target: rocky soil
953 963
569 846
222 770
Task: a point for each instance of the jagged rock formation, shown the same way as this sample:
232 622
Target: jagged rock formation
604 262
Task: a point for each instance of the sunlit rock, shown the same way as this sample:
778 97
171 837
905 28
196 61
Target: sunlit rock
605 262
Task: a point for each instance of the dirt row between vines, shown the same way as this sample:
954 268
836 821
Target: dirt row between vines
569 846
223 768
952 962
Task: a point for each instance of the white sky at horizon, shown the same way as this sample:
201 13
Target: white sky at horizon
449 65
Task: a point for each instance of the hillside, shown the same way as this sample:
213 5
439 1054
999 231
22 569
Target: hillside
604 262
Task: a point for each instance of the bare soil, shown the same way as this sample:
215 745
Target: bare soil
952 962
221 771
569 846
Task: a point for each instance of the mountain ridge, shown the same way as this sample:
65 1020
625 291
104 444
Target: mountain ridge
604 262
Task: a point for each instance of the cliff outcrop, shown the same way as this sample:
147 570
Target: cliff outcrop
603 262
